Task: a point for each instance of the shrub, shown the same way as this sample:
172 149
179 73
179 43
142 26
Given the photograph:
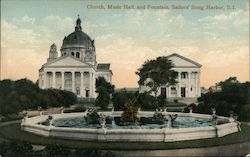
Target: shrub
130 112
161 101
158 118
92 117
244 113
23 94
121 97
146 101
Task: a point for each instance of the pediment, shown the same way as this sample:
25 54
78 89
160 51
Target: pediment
180 61
66 61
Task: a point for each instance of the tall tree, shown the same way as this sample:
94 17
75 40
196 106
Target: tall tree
156 73
104 90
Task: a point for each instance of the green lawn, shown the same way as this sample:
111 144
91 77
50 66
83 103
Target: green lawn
14 132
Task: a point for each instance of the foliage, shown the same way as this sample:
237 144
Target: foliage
103 98
23 94
104 90
161 101
146 101
121 97
156 73
92 117
158 118
130 112
234 97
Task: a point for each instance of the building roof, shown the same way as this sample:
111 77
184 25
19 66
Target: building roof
103 66
184 58
78 37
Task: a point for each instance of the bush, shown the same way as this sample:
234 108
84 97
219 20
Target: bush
130 112
23 94
158 118
161 101
147 101
244 113
121 97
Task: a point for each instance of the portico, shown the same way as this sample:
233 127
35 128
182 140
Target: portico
78 82
188 79
76 69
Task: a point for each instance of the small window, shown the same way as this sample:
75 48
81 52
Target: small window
184 75
72 53
75 37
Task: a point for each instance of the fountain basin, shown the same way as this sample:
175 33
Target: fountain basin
163 134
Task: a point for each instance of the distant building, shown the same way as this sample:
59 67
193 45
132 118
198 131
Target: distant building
76 69
188 85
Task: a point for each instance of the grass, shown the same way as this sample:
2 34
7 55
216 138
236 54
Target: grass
13 132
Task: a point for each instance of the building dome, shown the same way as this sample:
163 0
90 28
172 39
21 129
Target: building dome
78 37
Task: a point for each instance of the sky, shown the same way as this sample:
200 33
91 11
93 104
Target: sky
218 39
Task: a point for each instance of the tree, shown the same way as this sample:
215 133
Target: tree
156 73
233 97
23 94
104 90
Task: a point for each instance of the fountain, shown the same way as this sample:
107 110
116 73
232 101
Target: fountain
105 126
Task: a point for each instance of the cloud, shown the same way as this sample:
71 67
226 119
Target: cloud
27 19
13 36
238 18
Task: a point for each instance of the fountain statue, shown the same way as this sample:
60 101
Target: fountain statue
171 119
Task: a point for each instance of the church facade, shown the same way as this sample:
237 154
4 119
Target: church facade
188 79
76 69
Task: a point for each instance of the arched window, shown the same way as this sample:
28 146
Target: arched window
77 55
72 53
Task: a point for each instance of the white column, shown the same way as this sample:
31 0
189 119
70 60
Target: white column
62 75
179 86
73 81
53 79
90 85
45 80
81 88
94 93
198 84
189 84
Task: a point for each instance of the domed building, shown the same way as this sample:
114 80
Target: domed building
76 69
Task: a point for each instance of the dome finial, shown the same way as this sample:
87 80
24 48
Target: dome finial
78 24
